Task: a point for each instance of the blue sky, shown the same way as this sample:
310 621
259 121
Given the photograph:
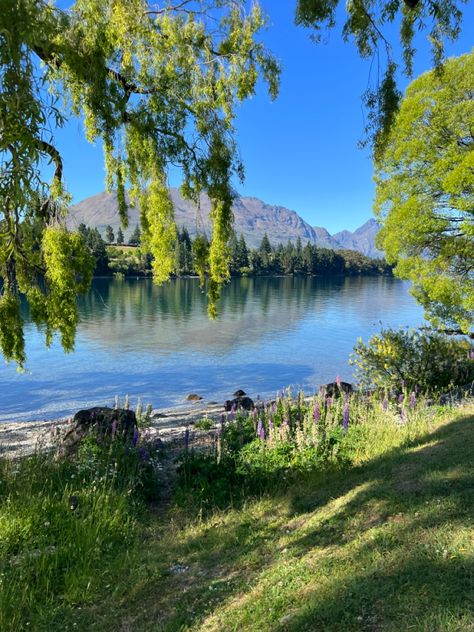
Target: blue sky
301 150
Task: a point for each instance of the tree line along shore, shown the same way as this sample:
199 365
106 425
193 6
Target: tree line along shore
113 256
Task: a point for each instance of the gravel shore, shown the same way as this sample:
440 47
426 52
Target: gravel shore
20 439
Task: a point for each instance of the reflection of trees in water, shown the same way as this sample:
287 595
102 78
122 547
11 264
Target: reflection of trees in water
137 314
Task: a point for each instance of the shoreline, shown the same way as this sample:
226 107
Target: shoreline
23 438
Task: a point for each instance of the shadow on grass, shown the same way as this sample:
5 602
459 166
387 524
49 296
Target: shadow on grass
391 582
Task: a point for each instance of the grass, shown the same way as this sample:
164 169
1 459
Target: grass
385 543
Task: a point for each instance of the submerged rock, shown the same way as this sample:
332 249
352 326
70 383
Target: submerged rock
103 422
193 397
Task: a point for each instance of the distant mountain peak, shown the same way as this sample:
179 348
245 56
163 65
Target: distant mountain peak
252 218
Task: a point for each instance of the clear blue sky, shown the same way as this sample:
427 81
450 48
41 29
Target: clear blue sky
301 150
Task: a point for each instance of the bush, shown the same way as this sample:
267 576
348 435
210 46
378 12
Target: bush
424 361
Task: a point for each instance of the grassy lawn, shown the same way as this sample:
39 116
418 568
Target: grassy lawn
384 544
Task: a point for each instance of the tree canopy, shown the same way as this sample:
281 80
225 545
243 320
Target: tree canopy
368 24
157 84
425 192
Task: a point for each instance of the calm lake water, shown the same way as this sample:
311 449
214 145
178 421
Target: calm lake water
158 343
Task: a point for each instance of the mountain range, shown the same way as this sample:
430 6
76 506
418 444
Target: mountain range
252 218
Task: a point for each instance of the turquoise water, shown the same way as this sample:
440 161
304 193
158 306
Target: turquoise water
158 343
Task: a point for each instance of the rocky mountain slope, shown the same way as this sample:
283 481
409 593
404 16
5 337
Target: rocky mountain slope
253 218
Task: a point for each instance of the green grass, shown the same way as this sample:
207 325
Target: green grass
384 544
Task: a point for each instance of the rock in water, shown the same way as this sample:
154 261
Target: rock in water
240 393
333 389
103 422
239 402
193 397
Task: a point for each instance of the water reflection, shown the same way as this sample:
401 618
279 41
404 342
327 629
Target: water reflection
137 315
158 343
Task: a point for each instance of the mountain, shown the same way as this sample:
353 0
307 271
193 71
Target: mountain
362 239
253 218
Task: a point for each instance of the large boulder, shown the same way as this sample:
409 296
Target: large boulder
239 402
104 422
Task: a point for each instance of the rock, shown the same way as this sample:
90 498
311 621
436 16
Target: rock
239 402
104 422
240 393
193 397
333 389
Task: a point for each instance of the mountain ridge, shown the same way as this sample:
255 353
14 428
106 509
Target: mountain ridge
252 218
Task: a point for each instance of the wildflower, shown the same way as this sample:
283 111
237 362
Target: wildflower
403 415
412 399
338 381
400 398
136 437
232 412
262 433
329 401
222 423
114 428
385 405
144 454
345 419
259 427
317 413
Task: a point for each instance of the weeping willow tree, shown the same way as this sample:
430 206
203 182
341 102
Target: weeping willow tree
157 85
368 23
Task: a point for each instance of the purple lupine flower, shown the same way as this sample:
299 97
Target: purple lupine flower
136 437
345 419
338 381
286 422
144 456
261 434
412 399
222 422
400 398
385 405
259 427
403 384
403 415
114 428
317 413
232 413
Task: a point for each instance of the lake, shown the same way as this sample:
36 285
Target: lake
157 343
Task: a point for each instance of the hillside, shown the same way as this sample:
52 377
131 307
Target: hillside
253 218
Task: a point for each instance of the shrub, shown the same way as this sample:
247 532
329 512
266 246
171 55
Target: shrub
425 361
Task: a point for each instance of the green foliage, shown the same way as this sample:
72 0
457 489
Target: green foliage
97 248
158 86
136 236
204 424
271 447
109 234
120 237
66 525
425 193
424 361
368 24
